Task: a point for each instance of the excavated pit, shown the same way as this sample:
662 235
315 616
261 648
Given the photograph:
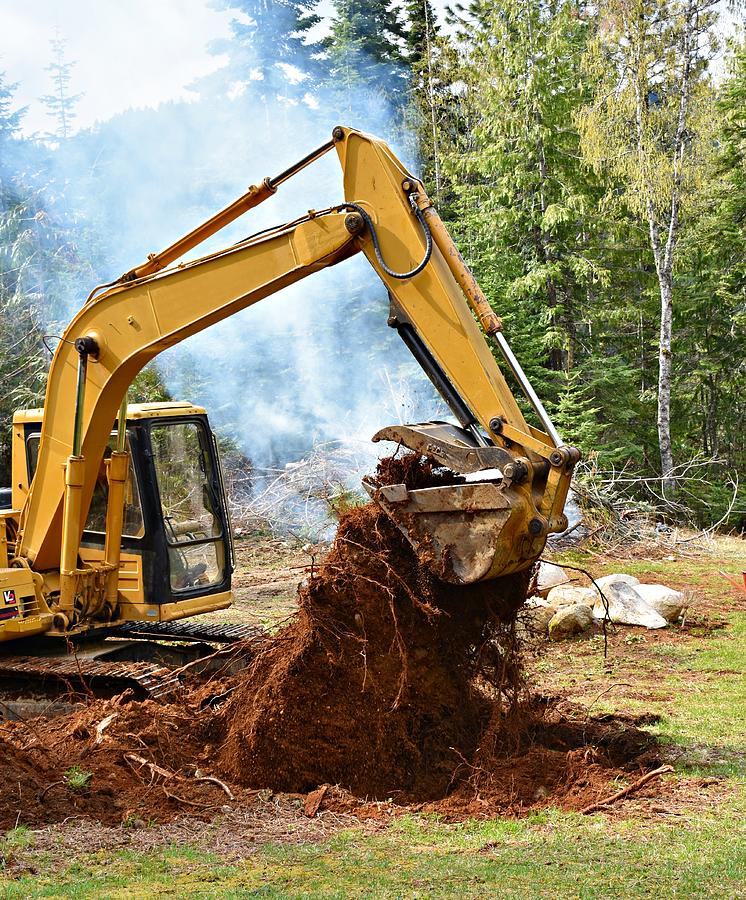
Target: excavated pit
387 684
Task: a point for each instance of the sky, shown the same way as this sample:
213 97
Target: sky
127 53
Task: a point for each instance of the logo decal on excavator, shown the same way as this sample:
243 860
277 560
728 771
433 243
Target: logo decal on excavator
11 611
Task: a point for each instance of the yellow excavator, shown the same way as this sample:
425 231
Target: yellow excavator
117 515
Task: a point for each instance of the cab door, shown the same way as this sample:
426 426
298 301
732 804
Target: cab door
191 506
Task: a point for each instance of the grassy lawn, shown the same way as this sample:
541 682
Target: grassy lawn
546 855
693 844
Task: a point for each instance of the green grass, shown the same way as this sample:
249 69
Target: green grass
77 779
19 838
709 714
697 687
548 855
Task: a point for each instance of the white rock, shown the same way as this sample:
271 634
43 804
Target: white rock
570 595
664 600
626 607
569 620
617 578
549 577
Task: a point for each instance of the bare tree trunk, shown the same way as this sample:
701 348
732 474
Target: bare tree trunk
665 281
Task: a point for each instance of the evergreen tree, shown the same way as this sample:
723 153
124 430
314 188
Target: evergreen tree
647 126
428 92
421 31
10 116
517 161
22 363
522 204
270 52
61 103
711 412
365 48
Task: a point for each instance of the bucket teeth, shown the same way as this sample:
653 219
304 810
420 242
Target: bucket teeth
447 444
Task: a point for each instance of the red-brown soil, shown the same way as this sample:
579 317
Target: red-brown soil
387 683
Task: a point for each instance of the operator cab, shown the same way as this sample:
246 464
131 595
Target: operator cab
177 555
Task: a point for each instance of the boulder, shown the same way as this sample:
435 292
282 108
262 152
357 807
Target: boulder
569 620
617 578
626 607
570 595
549 577
664 600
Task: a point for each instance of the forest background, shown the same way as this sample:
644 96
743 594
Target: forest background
589 159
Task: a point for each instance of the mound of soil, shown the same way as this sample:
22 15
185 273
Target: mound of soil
52 769
373 685
387 683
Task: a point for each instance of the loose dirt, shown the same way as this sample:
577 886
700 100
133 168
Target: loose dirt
387 683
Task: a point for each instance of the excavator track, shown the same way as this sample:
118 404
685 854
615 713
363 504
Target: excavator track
24 678
147 679
186 630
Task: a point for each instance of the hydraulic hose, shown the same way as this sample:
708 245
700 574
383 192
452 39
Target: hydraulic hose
377 247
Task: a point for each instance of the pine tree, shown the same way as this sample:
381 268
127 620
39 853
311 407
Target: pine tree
421 31
575 414
429 94
521 203
10 116
22 363
61 103
269 51
365 48
710 415
517 159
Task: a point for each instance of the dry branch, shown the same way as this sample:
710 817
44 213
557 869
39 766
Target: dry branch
212 780
625 792
102 726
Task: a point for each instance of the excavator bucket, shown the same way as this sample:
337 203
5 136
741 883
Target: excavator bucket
482 525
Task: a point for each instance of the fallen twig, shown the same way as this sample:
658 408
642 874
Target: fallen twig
42 794
144 763
218 782
190 802
203 659
102 726
625 792
131 758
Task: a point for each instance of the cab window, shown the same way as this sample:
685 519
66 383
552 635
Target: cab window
96 522
189 507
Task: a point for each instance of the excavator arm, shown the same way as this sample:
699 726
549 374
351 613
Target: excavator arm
388 217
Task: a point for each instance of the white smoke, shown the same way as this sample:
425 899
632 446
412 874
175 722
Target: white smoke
315 364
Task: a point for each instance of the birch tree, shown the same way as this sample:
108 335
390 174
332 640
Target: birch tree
646 129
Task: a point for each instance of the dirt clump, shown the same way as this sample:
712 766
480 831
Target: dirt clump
413 471
141 766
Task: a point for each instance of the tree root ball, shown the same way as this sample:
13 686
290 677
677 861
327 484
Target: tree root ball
386 679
